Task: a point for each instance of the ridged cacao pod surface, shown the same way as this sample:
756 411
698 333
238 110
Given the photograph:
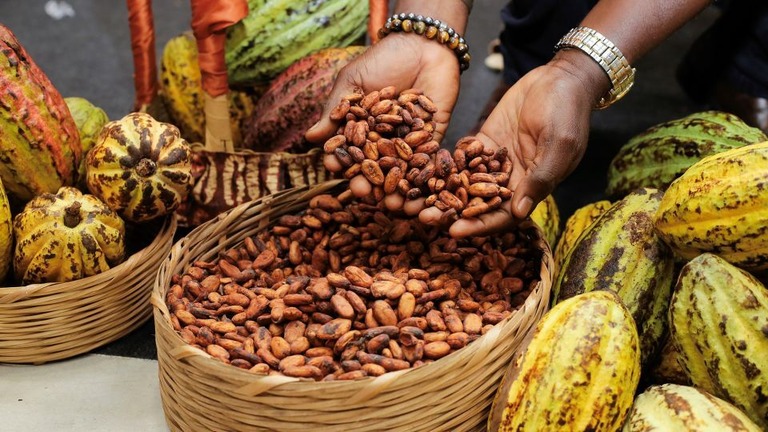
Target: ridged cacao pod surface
547 216
576 224
140 167
89 120
719 325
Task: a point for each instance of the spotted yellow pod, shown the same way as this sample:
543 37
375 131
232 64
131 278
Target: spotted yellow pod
6 233
576 224
547 216
673 408
579 371
66 236
719 325
720 205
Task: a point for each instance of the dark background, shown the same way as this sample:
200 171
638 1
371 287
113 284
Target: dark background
86 52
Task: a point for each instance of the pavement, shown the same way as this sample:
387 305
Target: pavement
84 47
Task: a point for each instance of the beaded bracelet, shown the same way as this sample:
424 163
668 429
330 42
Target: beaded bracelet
431 29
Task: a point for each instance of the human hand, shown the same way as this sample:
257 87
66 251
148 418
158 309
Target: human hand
543 120
403 61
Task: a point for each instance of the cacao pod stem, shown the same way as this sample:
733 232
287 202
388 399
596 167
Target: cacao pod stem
72 215
146 167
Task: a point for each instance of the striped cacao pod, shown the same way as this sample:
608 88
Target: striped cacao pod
579 371
140 167
276 34
579 221
719 325
547 216
6 234
720 205
621 252
181 90
662 153
673 408
66 236
38 137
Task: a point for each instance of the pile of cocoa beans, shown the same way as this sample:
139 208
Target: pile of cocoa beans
388 138
345 290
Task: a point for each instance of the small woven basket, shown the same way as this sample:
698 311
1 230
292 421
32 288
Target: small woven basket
53 321
201 393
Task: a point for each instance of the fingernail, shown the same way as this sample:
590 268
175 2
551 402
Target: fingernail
314 126
524 205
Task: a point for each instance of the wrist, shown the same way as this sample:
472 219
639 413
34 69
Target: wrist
452 12
588 72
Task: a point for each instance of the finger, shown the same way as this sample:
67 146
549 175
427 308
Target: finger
394 202
332 163
493 222
360 186
430 216
325 128
413 207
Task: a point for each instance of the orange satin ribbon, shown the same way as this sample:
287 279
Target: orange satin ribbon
143 47
379 9
209 20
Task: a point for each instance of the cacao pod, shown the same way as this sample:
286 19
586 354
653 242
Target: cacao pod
547 216
579 370
276 34
667 369
181 90
140 167
66 236
719 323
662 153
720 205
89 120
38 137
294 101
672 407
579 221
621 252
6 234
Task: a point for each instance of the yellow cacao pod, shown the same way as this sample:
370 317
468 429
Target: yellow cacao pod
579 371
547 216
673 408
720 205
579 221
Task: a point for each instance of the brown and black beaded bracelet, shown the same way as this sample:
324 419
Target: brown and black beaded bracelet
431 29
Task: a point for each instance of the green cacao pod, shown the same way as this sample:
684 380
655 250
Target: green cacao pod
662 153
674 408
719 325
579 371
579 221
275 34
89 120
38 137
547 216
182 92
140 167
66 236
720 205
621 252
294 101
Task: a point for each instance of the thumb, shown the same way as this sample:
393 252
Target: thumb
539 181
325 127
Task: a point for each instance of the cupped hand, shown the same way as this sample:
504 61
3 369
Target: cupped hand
403 61
543 120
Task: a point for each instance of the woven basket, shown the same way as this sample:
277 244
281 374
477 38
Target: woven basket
201 393
53 321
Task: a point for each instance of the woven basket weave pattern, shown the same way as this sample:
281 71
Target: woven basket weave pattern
201 393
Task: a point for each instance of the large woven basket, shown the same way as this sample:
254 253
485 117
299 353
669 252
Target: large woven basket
201 393
53 321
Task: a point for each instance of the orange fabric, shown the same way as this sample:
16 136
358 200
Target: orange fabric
209 20
143 47
378 17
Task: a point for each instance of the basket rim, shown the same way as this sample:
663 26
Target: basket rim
537 301
12 294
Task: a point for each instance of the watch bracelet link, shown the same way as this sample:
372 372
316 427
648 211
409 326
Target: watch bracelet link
607 55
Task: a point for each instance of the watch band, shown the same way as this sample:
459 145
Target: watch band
607 55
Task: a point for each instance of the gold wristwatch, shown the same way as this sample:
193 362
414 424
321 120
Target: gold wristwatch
607 55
